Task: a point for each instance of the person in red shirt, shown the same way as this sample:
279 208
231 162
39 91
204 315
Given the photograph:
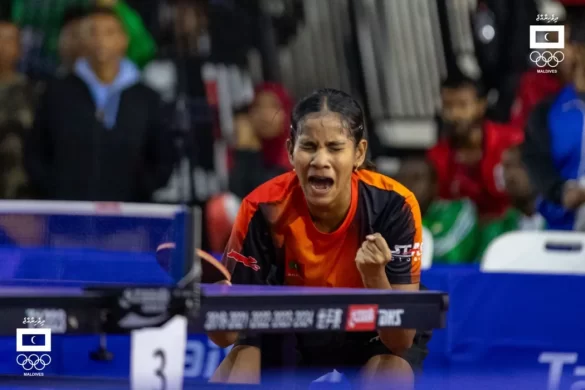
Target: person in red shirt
468 156
331 222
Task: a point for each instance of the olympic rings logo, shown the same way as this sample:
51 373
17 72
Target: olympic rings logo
546 58
33 361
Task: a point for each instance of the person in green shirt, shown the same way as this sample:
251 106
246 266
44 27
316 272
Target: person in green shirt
523 215
453 223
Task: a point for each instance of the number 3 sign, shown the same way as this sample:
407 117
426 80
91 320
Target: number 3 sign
158 356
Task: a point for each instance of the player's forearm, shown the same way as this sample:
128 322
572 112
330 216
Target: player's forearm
395 339
241 366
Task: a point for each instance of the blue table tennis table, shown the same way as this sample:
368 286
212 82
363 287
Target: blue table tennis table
277 304
86 268
260 309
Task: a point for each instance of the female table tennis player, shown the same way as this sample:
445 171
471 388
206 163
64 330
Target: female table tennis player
331 222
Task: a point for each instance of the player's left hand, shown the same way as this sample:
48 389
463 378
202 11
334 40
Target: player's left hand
373 255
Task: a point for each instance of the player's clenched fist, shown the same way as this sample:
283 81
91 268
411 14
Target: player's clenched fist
373 255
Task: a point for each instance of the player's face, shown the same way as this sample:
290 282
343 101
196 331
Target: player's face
9 45
106 39
267 116
515 175
461 108
324 157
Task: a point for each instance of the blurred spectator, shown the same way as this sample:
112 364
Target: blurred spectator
535 85
453 223
17 99
522 194
176 74
554 148
259 155
524 213
467 157
97 133
70 43
43 20
141 45
260 151
186 28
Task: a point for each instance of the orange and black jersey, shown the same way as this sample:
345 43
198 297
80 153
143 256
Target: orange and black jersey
274 240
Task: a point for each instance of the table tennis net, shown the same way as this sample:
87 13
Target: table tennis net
86 243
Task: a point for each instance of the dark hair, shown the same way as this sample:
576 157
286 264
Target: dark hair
574 15
73 14
105 11
332 100
574 20
7 20
459 80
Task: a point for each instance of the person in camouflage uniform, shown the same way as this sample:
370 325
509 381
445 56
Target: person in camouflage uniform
453 223
17 100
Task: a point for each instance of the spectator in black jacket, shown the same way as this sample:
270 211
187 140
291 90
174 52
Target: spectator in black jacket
97 134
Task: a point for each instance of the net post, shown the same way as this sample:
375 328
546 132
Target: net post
192 263
193 240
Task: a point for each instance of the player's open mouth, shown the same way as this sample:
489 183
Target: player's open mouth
320 184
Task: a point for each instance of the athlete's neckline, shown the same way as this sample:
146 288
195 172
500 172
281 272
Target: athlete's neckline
346 222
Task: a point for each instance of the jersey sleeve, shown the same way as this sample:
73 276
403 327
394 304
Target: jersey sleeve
402 230
249 254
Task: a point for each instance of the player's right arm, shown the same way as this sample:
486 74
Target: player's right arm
248 256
